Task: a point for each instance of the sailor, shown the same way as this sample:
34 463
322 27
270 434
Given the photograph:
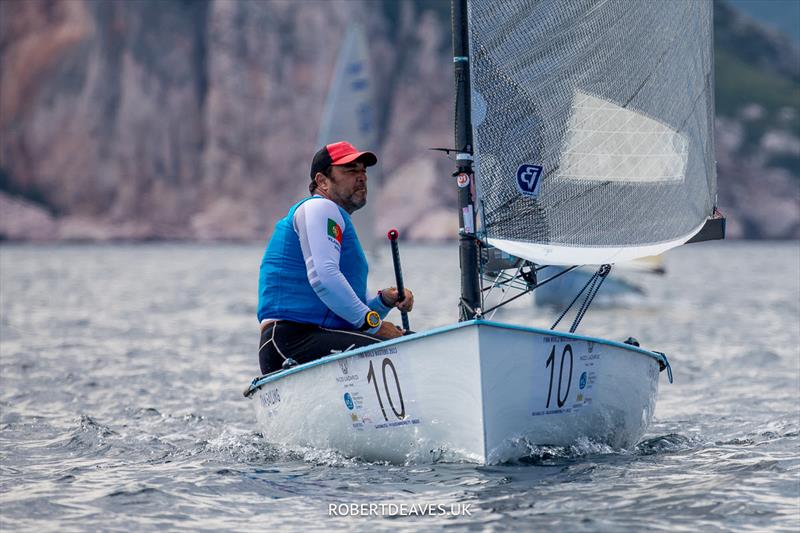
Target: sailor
312 288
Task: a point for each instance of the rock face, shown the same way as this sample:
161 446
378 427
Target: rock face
758 198
101 111
196 119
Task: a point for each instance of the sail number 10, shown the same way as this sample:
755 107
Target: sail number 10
551 364
372 378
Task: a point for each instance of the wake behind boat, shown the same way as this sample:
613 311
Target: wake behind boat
590 132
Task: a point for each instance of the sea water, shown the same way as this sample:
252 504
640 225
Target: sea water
122 369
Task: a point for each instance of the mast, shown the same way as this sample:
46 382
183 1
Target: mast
470 303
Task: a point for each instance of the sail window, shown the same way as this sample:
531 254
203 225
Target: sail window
607 142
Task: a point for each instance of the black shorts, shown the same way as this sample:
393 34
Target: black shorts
304 342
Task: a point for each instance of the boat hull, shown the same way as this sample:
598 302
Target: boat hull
478 391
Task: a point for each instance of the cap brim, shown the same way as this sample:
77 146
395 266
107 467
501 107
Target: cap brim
368 158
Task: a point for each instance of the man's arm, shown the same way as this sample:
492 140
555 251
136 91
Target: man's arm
316 221
387 299
376 303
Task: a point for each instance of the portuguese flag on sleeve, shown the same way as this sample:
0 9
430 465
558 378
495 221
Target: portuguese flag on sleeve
334 230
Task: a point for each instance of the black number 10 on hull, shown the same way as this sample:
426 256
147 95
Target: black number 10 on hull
552 365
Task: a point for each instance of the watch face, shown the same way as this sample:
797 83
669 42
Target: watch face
373 319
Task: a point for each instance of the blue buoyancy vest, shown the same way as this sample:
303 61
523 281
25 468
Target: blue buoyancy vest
284 291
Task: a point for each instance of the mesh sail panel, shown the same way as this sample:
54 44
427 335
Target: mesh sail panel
592 124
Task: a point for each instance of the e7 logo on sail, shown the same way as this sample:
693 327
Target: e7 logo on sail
528 179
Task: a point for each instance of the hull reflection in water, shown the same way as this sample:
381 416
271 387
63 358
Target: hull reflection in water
476 391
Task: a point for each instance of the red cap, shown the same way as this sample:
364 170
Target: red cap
339 153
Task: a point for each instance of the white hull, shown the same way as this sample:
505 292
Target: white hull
476 391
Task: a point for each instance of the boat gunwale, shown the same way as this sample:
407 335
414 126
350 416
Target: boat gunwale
260 381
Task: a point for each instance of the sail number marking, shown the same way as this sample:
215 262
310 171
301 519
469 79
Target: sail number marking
551 364
372 378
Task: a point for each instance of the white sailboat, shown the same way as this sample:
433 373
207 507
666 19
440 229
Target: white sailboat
590 130
350 115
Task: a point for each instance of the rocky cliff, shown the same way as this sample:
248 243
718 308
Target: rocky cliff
196 119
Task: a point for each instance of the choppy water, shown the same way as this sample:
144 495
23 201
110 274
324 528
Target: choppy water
121 370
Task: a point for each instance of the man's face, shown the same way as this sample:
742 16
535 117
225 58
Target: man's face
347 185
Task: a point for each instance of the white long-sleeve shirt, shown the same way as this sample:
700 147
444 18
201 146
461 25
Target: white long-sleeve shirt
322 254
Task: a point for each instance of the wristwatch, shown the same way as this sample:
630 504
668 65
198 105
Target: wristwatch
371 320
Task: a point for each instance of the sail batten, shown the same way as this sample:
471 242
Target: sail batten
592 125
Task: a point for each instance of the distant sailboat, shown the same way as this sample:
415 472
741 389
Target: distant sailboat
590 128
350 115
626 286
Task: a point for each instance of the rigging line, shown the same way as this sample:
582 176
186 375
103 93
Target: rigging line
503 290
524 287
494 283
481 299
493 311
510 280
501 304
573 301
463 303
548 280
601 274
491 288
588 298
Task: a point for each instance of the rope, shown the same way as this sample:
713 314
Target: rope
573 301
593 286
601 274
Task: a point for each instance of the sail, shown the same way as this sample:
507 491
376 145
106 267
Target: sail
592 124
350 115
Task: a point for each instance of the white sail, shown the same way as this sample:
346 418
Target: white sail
549 254
350 115
592 126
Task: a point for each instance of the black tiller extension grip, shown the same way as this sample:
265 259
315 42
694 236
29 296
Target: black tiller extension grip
393 235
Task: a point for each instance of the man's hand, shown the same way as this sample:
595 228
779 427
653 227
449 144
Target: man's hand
389 297
388 331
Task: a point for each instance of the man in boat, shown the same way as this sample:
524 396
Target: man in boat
312 290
